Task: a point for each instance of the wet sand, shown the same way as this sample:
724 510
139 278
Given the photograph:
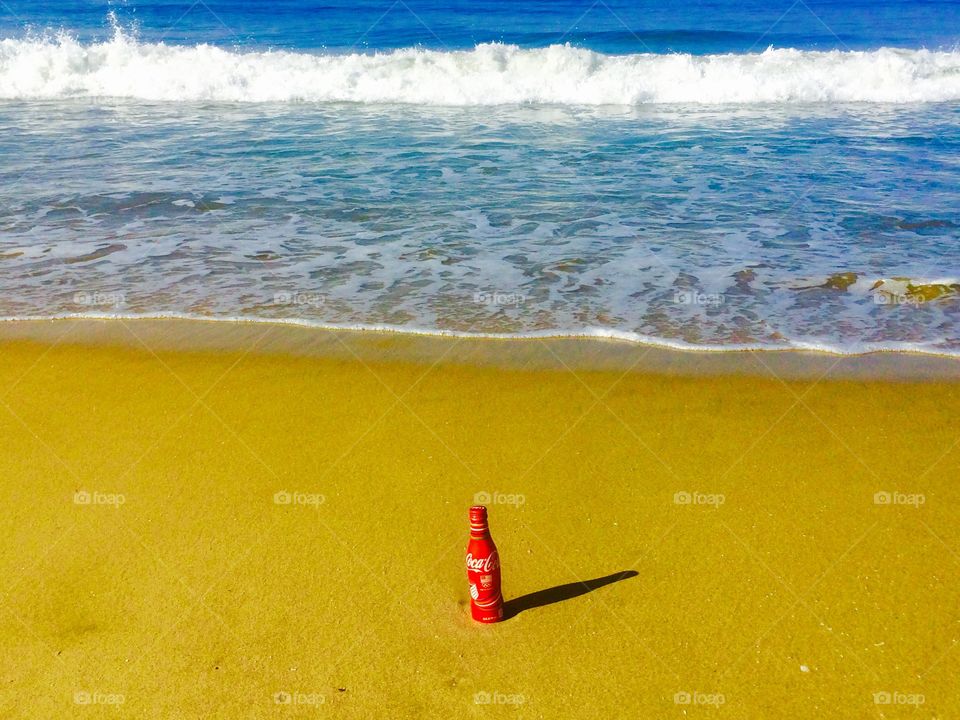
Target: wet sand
256 521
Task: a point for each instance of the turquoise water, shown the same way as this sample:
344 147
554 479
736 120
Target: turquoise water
712 175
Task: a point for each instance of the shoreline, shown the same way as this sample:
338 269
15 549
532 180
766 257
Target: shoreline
542 351
599 334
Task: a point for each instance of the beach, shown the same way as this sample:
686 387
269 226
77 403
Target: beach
656 306
225 520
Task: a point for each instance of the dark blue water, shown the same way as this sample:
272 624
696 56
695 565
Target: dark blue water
610 26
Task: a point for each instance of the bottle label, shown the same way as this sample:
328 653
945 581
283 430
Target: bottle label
480 564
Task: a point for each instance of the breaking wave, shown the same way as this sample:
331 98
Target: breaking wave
489 74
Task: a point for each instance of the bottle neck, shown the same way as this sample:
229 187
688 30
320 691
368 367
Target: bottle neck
478 522
479 531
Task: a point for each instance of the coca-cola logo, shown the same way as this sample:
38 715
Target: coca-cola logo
487 564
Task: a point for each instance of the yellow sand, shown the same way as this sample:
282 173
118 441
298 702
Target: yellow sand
794 594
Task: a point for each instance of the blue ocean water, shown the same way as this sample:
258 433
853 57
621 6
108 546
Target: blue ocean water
710 174
607 26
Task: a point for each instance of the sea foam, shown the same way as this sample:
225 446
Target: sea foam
489 74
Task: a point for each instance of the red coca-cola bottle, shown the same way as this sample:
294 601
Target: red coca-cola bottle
483 570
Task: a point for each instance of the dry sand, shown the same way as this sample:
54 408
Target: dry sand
178 586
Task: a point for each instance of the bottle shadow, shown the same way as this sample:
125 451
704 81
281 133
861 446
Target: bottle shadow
512 608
